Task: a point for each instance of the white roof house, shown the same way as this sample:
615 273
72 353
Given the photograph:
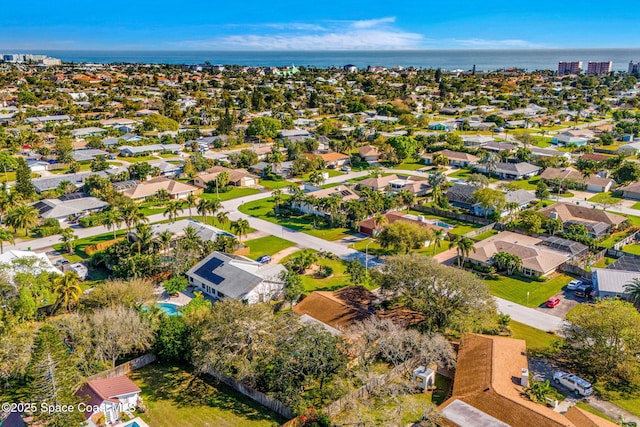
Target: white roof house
14 261
611 283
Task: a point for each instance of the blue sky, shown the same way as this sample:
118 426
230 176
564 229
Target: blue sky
317 24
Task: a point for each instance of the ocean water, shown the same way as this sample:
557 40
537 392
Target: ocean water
529 59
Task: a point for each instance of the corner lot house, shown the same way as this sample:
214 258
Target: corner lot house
340 192
222 275
488 390
369 227
176 190
112 395
537 259
69 205
599 223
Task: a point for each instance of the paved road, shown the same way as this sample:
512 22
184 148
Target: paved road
529 316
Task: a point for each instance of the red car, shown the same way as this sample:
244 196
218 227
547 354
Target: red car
552 302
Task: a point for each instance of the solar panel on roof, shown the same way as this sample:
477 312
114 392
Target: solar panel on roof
207 271
346 192
72 196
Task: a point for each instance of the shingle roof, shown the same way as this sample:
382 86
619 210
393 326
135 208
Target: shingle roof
150 187
568 211
461 193
232 275
484 379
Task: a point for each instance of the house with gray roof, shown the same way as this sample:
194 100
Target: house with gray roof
521 170
52 182
127 137
69 205
85 132
611 283
221 275
48 119
87 154
127 150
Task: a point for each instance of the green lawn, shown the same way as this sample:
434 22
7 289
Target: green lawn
213 221
630 402
516 289
460 227
636 206
81 244
174 396
634 220
84 166
263 209
150 208
485 235
331 172
538 342
632 249
528 185
11 176
272 185
311 282
268 245
410 165
607 197
460 173
234 193
137 159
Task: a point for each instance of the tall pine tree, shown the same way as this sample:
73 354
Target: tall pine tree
24 186
53 379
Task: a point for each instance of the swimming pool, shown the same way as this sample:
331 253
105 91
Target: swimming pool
133 424
171 310
442 224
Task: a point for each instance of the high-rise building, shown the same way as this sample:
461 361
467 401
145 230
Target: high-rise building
567 68
634 68
599 68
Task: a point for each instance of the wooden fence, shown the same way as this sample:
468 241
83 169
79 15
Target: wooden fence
125 368
274 404
478 231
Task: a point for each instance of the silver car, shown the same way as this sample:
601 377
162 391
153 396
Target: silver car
573 285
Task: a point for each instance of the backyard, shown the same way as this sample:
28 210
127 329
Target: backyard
312 281
538 342
234 193
174 396
526 292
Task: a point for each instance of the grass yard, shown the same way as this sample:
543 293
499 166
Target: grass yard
212 221
268 245
538 342
410 165
272 185
460 227
634 220
636 206
137 159
485 235
528 184
460 173
80 245
331 172
150 208
632 249
11 176
174 396
312 282
516 289
607 198
234 193
630 402
263 209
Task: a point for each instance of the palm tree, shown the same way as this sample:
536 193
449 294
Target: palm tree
632 290
464 246
277 198
130 215
406 198
223 218
111 220
490 162
379 220
68 290
164 240
67 238
191 201
143 237
316 178
206 207
438 237
437 181
23 216
172 210
5 236
240 228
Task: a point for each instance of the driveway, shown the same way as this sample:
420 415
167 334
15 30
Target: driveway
568 301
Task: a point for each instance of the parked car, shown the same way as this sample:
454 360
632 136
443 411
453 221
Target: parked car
552 302
345 169
573 383
573 285
264 259
583 291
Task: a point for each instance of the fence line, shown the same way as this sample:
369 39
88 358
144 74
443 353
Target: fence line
478 231
274 404
125 368
447 214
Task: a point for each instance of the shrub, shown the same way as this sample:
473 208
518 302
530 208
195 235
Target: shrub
325 271
47 231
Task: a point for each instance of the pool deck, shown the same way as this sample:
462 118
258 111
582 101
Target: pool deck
181 299
137 420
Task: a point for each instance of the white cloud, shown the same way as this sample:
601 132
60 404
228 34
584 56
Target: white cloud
496 44
371 23
370 34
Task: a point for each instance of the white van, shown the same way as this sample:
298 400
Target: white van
573 383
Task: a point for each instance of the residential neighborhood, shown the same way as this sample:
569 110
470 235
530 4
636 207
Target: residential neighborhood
257 246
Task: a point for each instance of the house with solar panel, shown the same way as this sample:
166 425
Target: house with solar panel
221 276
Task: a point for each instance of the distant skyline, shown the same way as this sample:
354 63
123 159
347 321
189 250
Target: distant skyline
328 25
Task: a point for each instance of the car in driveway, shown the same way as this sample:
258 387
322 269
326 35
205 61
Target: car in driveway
583 291
573 383
552 302
264 259
345 169
573 285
